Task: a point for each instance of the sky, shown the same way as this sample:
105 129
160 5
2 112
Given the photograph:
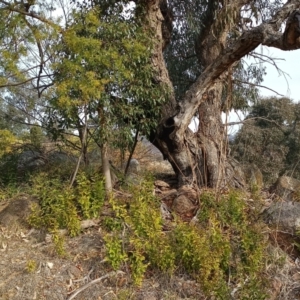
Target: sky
287 85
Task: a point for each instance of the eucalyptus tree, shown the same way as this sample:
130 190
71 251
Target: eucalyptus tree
223 32
207 40
221 42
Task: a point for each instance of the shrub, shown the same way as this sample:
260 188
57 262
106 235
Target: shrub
63 207
224 249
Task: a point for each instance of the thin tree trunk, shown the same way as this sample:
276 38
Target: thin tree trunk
106 168
83 139
131 152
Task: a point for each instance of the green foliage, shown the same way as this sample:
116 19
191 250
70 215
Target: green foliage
36 136
8 191
8 168
144 240
112 224
105 70
57 207
269 138
63 207
226 244
31 266
8 140
114 253
90 195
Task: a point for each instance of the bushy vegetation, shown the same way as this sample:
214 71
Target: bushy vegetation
98 81
269 138
224 248
63 207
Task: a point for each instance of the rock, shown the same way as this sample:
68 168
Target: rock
235 174
167 194
134 166
182 205
253 176
186 202
150 149
57 158
162 185
17 211
284 215
287 188
190 193
30 160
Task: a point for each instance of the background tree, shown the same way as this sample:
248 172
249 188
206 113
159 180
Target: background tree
269 138
103 81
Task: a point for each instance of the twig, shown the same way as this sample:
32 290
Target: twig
256 118
110 274
258 85
86 278
122 193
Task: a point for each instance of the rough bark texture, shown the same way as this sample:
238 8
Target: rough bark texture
201 158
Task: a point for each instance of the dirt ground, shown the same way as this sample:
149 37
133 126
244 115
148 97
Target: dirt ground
31 269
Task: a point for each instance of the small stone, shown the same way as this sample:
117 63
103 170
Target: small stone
287 188
183 205
162 185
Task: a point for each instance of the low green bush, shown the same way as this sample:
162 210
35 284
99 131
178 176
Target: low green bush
224 249
63 207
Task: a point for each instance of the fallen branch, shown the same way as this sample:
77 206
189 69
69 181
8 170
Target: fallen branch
110 274
86 278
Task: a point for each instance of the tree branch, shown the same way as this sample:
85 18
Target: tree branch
258 85
266 33
256 118
31 14
97 280
12 84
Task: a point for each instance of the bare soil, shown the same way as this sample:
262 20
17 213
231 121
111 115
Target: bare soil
31 269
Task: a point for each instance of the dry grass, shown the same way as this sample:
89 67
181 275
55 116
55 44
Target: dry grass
30 269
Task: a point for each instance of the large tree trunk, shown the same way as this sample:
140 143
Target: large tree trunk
201 159
212 139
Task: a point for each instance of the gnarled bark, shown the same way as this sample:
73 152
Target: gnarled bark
201 158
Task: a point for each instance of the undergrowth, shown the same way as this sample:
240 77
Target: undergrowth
224 250
61 206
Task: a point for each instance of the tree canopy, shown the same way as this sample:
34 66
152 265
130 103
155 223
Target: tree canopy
269 138
150 66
